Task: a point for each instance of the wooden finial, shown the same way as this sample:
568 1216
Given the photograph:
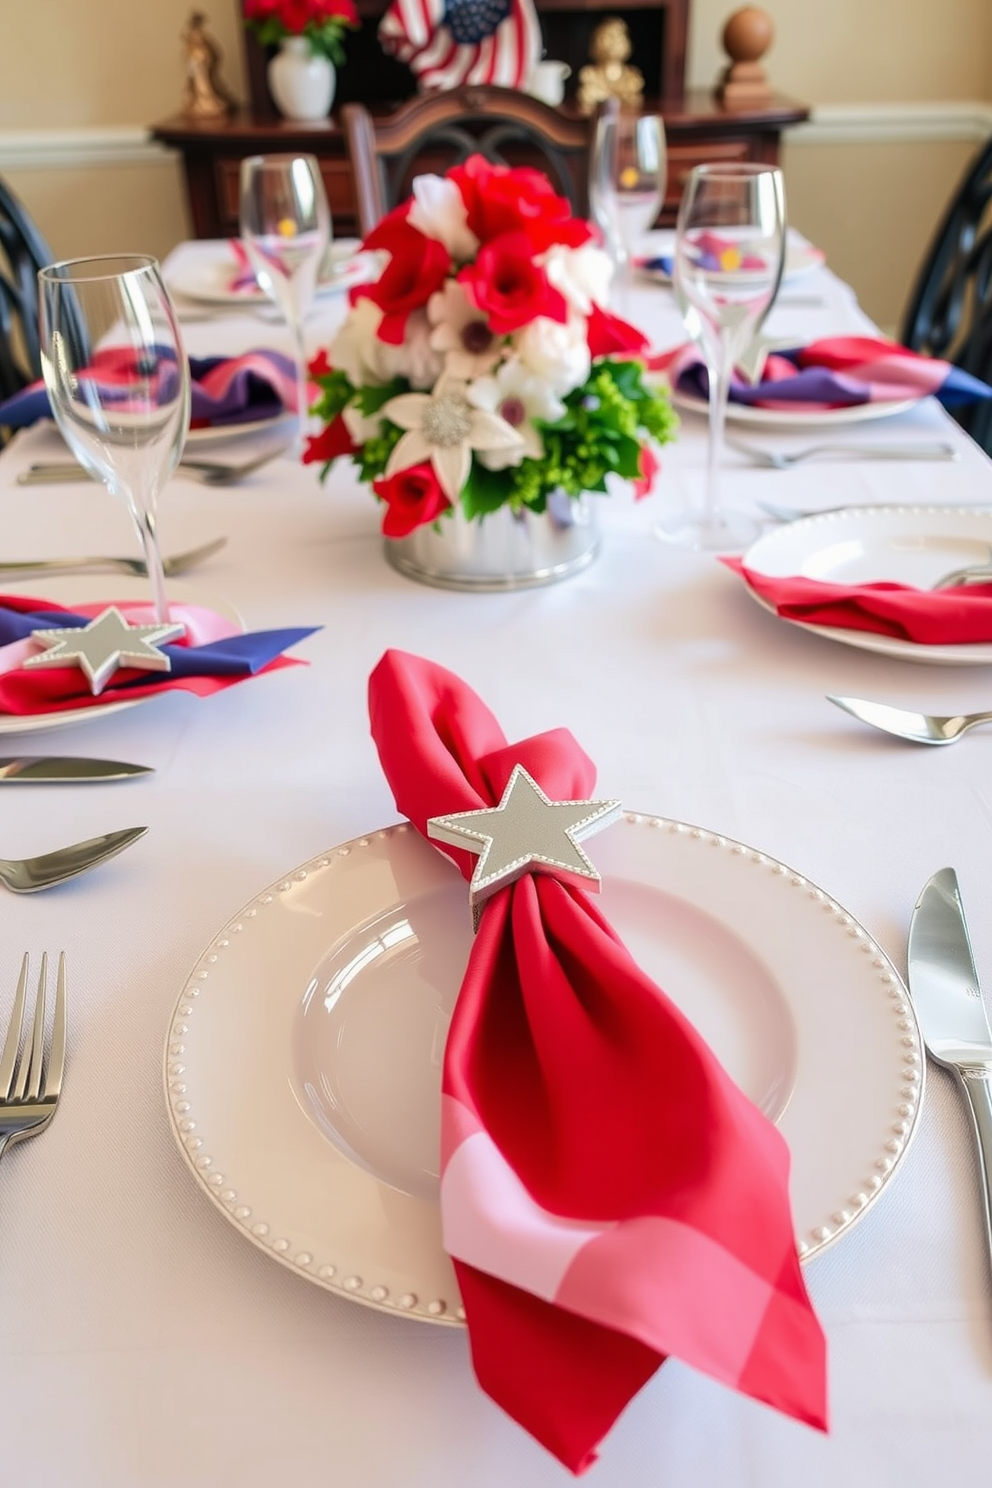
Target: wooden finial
747 36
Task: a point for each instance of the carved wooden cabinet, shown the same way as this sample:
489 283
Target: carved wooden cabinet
698 128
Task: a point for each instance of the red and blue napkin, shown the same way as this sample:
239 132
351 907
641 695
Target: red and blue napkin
213 654
928 617
261 384
608 1194
834 372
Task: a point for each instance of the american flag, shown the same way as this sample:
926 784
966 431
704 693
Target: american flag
448 43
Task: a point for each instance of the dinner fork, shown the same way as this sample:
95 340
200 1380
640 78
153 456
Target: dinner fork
30 1086
179 563
211 472
785 459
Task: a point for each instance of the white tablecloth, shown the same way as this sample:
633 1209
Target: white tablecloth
143 1342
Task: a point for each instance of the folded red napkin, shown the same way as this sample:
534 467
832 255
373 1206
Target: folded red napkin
608 1194
942 617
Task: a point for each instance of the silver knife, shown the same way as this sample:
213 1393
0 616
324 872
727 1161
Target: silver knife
948 1001
32 768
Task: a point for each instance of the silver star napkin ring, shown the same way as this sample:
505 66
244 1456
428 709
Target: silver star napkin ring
104 646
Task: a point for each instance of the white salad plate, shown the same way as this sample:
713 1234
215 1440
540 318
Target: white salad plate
784 417
303 1060
902 544
209 274
83 589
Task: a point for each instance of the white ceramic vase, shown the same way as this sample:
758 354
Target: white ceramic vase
302 85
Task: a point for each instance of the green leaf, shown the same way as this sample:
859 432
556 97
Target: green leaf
371 399
484 491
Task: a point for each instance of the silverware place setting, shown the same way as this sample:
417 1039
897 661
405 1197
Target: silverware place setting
178 563
28 875
36 769
774 459
783 513
31 1076
210 472
903 723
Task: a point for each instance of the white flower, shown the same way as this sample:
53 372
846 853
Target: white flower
414 359
360 426
439 212
518 397
557 353
582 275
354 350
444 428
461 332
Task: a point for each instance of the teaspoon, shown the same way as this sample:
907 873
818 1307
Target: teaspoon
917 728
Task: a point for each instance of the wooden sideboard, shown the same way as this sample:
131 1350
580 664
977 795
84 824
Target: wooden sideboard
698 129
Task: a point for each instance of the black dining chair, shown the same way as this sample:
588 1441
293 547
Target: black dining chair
949 313
23 251
438 130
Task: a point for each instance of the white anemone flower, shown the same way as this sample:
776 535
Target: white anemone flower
443 428
354 350
557 353
460 331
518 397
414 359
582 275
439 212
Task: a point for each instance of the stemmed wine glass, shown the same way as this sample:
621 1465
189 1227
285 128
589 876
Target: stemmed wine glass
286 229
627 181
729 252
118 382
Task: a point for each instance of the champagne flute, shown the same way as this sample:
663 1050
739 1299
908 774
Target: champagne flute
729 253
627 181
118 382
286 229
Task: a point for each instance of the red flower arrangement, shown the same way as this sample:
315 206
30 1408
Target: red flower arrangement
322 22
483 368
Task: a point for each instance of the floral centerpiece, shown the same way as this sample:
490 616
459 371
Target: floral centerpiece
482 369
321 23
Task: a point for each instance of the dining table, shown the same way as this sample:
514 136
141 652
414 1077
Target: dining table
156 1333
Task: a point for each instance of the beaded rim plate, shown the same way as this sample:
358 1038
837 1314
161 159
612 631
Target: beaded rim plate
302 1064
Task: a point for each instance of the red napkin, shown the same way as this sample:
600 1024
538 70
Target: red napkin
942 617
608 1195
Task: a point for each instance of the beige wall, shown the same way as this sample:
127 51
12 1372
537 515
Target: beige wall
84 63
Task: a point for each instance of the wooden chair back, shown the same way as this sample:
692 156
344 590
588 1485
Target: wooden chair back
438 130
949 314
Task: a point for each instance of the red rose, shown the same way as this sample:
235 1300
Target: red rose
413 497
329 444
608 335
319 366
499 200
508 286
649 465
417 266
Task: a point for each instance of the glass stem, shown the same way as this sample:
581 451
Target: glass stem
719 369
153 562
302 383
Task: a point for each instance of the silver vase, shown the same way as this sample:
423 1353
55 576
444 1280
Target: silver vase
504 550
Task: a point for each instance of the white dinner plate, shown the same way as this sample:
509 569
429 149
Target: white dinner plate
797 418
303 1060
907 545
800 259
234 433
209 275
85 589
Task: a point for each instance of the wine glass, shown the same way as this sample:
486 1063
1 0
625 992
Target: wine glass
627 181
286 229
729 252
118 382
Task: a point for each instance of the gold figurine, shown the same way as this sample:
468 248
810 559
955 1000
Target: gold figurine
609 77
204 95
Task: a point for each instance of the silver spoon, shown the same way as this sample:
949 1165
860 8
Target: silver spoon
917 728
26 875
785 459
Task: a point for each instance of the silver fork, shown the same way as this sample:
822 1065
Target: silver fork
785 459
211 472
30 1086
177 563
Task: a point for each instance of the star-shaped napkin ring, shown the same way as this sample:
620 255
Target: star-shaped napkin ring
104 646
526 833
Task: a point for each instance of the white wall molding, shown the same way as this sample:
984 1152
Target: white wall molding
68 149
893 123
829 124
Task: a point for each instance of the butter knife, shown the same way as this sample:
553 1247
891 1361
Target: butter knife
30 769
945 989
